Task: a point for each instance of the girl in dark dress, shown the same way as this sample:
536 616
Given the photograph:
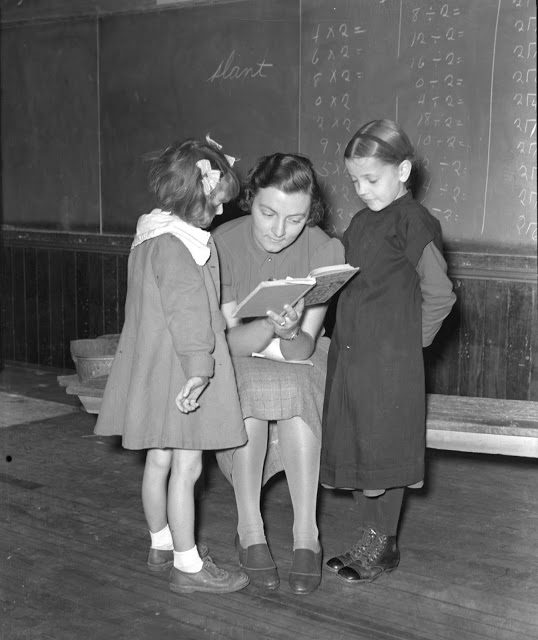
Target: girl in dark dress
373 437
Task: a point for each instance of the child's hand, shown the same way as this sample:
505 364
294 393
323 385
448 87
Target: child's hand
286 324
186 400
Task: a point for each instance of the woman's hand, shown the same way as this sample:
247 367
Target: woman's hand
186 400
287 324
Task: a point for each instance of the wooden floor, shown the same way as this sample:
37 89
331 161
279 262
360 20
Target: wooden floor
73 546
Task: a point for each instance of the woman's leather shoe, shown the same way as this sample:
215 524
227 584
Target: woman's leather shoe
305 574
258 563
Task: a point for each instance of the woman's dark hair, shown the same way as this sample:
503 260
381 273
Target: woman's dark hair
382 139
176 181
290 173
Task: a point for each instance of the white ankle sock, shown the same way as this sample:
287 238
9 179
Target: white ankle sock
188 561
162 539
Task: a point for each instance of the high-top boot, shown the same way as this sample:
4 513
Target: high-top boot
366 536
380 556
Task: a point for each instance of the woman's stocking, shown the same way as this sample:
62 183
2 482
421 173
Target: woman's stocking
247 475
300 452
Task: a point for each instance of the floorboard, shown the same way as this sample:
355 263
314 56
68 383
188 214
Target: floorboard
73 546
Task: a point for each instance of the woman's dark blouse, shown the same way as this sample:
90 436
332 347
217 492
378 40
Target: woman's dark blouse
243 264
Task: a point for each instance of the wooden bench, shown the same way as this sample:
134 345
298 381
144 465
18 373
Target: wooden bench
457 423
482 425
90 393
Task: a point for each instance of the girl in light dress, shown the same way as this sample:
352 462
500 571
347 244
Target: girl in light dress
172 388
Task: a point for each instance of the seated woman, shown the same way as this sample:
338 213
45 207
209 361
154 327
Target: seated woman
280 238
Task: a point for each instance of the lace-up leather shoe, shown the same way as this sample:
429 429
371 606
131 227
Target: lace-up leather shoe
382 556
305 574
162 559
257 561
210 578
353 553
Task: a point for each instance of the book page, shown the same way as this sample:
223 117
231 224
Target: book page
319 271
271 295
327 285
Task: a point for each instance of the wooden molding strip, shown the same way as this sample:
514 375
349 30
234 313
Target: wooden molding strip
67 241
17 13
491 266
472 264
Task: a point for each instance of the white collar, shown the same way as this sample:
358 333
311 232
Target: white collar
158 222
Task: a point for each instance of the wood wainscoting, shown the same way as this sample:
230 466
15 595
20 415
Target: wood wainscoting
58 287
61 286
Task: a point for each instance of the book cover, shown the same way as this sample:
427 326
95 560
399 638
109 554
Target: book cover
317 288
273 295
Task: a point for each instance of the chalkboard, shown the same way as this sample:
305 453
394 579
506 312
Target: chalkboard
50 167
459 76
84 99
231 70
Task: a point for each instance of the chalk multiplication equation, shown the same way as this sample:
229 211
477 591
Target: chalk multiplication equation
340 91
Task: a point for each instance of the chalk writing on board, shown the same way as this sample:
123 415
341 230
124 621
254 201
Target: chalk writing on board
227 70
460 79
524 120
436 61
335 74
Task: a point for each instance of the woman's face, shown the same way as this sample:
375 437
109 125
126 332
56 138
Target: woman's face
278 217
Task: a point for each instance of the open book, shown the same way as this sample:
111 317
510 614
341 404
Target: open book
317 288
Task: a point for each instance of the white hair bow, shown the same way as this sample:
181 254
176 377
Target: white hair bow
231 160
210 177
